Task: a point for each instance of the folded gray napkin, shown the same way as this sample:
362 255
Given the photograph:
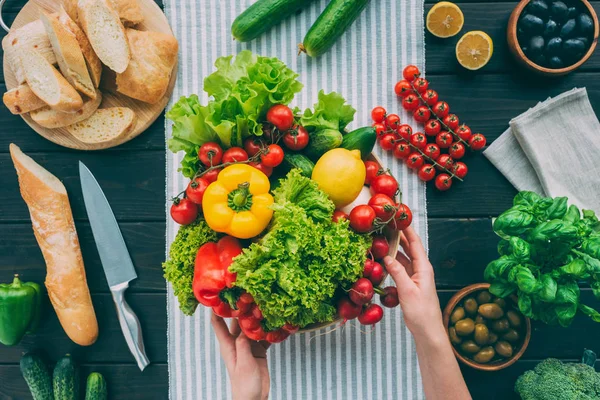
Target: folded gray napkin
553 149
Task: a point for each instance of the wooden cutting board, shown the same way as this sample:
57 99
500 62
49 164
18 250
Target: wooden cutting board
154 20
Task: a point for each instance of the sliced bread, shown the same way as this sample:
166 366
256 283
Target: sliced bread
31 36
21 100
48 84
68 54
129 11
51 119
105 125
105 32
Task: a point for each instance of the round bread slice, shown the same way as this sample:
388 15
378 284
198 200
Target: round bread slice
105 125
52 119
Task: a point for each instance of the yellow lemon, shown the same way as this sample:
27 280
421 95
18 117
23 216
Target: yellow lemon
341 174
474 49
445 19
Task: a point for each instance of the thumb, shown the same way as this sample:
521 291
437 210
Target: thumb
398 273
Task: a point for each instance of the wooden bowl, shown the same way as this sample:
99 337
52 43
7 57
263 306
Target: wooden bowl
494 365
393 238
513 43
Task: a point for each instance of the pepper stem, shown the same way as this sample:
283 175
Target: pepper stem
16 281
240 199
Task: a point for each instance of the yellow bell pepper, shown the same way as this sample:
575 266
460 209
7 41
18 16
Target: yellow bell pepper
238 203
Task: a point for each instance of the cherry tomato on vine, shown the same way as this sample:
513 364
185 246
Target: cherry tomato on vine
477 141
445 161
384 184
372 170
457 151
402 219
441 109
451 121
380 129
262 168
195 190
383 205
464 132
296 139
210 154
378 114
253 145
410 102
419 140
362 218
432 127
402 150
460 169
211 175
432 151
443 182
411 72
281 116
422 114
426 172
339 215
273 157
184 211
421 85
444 139
405 131
235 154
431 97
392 121
403 88
387 141
415 161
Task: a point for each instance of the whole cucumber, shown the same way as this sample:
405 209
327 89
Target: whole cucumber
96 387
321 142
37 376
331 24
65 379
263 15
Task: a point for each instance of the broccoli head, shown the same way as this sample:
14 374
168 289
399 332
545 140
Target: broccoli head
552 379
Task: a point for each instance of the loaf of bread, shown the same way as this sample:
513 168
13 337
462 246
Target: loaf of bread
55 232
129 10
21 100
105 125
52 119
153 56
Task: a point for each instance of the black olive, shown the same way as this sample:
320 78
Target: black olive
554 46
573 49
568 29
584 40
572 12
585 24
539 60
536 45
556 62
538 8
532 24
551 28
559 11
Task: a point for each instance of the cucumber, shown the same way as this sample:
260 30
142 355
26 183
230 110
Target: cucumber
37 376
65 379
263 15
321 142
96 387
300 161
331 24
362 139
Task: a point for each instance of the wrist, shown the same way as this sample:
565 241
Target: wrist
431 337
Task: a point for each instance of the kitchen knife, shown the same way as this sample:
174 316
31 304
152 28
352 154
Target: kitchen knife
118 267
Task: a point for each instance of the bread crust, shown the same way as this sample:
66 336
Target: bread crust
21 100
52 119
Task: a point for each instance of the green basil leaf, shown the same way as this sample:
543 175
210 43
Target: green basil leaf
504 247
547 288
502 289
557 209
576 269
592 264
555 229
596 289
567 293
526 198
590 312
573 214
546 313
524 304
513 222
525 279
519 249
499 268
566 313
591 246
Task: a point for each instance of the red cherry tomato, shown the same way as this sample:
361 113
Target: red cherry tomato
362 218
273 157
419 140
385 184
477 141
210 154
296 139
211 175
421 85
195 190
432 151
262 168
378 114
380 247
377 274
445 161
380 129
402 219
339 215
253 145
426 172
371 315
460 169
431 97
422 114
441 109
390 297
415 161
184 211
281 116
411 72
392 121
235 154
432 127
451 121
444 139
403 88
457 151
402 150
383 205
464 132
410 102
443 182
387 141
404 131
372 170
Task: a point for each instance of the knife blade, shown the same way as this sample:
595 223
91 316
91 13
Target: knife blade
115 259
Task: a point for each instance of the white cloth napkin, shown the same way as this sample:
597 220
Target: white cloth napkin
553 149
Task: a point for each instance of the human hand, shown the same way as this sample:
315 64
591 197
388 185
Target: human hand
245 359
413 274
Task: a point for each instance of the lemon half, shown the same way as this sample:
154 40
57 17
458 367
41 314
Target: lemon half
445 19
474 49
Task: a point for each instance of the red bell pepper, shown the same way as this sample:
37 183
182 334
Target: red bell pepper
243 303
251 324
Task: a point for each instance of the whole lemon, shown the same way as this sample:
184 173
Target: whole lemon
341 174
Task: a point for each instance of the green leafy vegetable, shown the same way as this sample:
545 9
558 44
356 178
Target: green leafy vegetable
330 112
179 268
546 247
296 269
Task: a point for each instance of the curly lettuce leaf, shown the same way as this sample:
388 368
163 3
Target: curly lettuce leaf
189 125
330 112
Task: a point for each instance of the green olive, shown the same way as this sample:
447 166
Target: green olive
500 302
493 338
465 327
510 336
482 334
457 314
470 305
470 347
484 355
453 336
500 326
479 320
514 318
491 311
504 349
484 297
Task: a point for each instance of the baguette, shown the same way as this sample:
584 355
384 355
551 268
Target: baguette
105 32
31 36
21 100
129 11
68 54
48 84
52 119
55 232
105 125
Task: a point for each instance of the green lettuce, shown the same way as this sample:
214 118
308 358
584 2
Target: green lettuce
296 269
330 112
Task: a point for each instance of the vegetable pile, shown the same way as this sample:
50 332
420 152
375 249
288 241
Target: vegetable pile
547 247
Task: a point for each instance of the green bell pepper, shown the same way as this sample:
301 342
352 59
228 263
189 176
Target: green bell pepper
20 310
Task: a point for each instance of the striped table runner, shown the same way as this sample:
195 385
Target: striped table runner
352 362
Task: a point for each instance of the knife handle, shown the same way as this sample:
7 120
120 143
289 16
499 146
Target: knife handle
130 325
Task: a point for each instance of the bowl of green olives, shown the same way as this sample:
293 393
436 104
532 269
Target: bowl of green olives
553 37
487 332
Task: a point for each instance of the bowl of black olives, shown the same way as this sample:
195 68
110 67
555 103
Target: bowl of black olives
487 333
553 37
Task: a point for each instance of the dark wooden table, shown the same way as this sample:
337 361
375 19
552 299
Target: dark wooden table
461 240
